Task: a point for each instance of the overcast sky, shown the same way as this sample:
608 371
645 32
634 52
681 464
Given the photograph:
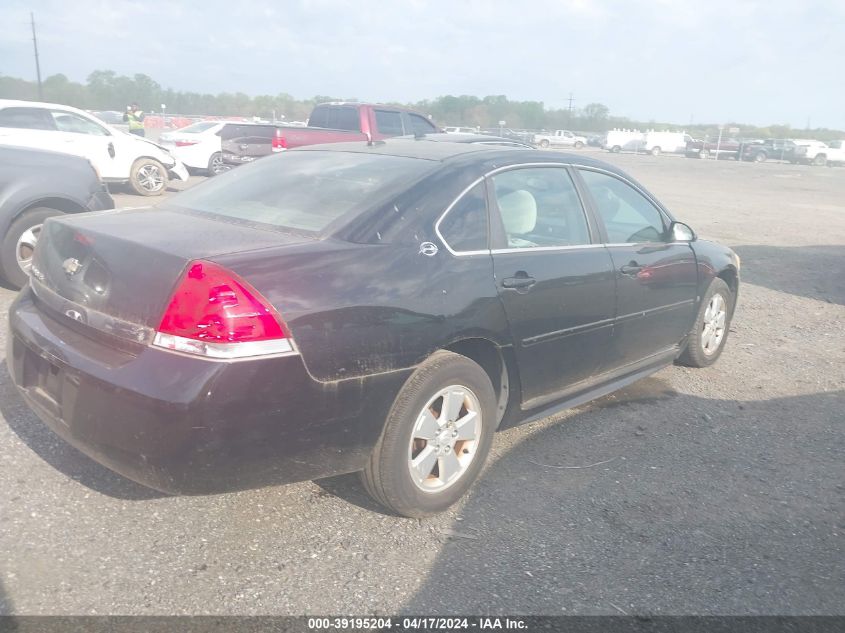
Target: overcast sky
761 62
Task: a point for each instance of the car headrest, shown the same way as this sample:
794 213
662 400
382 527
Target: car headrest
519 212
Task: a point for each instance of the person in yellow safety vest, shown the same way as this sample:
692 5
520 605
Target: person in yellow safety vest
135 118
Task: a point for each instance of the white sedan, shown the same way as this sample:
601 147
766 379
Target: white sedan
118 157
197 145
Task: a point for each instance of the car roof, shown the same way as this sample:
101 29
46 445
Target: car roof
444 151
465 137
18 103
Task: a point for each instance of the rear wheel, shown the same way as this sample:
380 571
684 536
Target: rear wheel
148 177
703 153
19 245
655 151
760 157
709 334
544 143
820 160
216 165
436 438
578 145
615 149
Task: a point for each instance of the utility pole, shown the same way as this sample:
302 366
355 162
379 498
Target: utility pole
569 117
37 65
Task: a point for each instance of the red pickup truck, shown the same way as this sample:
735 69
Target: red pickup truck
343 121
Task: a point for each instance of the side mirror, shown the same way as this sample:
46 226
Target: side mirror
681 232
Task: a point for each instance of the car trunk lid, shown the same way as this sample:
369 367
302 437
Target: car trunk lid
113 273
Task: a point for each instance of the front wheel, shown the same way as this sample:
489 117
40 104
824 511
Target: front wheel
709 334
19 245
703 153
655 151
436 438
820 160
148 177
615 149
544 143
578 145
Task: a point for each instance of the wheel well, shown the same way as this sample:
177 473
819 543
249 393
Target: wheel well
488 355
59 204
729 276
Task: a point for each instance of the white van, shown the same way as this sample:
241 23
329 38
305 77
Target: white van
624 140
116 156
665 142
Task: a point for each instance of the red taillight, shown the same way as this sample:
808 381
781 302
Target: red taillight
185 143
279 141
215 313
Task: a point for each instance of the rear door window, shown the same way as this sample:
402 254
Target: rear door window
464 228
27 118
389 123
319 117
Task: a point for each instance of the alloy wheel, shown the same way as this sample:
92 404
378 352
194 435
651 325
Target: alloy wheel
445 439
150 178
26 246
713 327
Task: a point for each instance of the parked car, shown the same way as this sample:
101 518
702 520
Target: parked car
595 140
560 138
724 148
36 185
358 307
816 153
198 146
352 121
118 157
245 142
525 136
760 151
453 129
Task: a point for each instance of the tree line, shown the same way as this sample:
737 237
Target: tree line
106 90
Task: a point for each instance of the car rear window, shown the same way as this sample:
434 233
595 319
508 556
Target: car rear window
305 190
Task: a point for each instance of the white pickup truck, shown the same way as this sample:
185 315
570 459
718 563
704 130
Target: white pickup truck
561 138
818 153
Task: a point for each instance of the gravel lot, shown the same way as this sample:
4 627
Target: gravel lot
722 491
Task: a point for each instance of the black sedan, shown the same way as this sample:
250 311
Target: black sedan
36 185
379 308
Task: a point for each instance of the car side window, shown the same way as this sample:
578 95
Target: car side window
628 215
389 123
464 228
540 207
319 117
27 118
70 122
419 125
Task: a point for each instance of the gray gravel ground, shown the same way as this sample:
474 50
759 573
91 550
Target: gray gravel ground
722 491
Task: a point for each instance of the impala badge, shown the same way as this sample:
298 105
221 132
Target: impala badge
71 266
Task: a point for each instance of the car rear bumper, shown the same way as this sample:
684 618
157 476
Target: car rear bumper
186 425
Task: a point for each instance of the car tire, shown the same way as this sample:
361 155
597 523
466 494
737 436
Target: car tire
820 160
709 334
704 153
216 166
148 177
615 149
760 157
578 145
544 144
388 475
655 151
19 242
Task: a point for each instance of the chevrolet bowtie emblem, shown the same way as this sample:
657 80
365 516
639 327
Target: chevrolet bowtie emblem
71 266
